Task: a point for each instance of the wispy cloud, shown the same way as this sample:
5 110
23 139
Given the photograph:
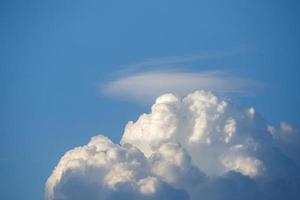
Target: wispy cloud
144 81
145 86
183 60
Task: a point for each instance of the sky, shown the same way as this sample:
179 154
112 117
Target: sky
57 56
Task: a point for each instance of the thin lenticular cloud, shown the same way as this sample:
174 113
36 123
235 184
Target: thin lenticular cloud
148 85
172 61
175 60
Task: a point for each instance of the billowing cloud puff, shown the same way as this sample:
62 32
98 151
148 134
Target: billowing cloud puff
197 147
103 170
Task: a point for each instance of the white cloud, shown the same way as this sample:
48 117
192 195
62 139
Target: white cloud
197 147
146 86
172 61
103 170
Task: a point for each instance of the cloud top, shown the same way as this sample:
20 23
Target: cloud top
200 146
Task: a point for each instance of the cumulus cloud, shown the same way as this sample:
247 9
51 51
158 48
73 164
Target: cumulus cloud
197 147
103 170
148 85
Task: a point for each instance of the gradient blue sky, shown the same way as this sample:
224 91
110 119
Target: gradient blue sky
54 55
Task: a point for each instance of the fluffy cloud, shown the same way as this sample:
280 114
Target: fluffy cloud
103 170
197 147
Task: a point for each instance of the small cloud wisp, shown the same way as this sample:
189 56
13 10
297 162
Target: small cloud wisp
148 85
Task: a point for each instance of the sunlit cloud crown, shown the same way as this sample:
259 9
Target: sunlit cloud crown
197 147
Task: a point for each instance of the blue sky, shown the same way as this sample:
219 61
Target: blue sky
55 54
